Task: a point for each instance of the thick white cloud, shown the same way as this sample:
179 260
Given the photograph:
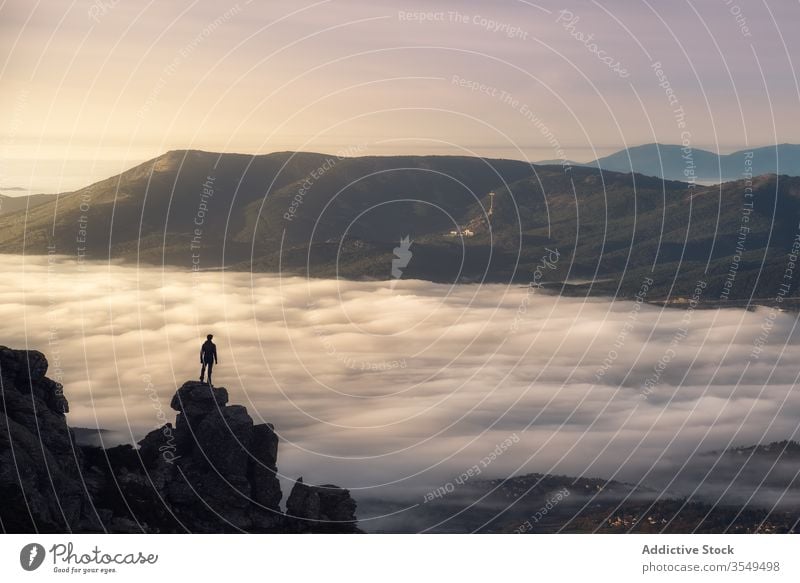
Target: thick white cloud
384 389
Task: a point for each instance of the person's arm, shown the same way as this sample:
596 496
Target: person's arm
201 354
215 354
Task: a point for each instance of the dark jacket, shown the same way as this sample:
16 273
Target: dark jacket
208 352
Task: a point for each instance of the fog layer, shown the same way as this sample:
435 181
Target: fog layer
387 387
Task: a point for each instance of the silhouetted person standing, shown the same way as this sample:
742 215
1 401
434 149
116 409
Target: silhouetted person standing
208 357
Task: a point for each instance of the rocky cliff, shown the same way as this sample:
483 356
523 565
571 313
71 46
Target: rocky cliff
214 470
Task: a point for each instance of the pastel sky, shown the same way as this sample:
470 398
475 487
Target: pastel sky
90 87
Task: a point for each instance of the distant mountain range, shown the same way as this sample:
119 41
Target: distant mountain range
11 204
674 163
317 215
741 490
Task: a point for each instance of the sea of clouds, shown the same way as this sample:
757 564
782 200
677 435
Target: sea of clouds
389 388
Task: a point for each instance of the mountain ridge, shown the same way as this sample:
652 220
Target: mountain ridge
616 161
672 162
324 216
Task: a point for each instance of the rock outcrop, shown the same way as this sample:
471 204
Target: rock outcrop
214 470
40 467
326 508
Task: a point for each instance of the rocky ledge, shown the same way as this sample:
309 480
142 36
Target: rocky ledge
213 471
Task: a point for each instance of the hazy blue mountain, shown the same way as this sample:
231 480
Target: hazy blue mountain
674 163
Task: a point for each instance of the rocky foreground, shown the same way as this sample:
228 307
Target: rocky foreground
213 471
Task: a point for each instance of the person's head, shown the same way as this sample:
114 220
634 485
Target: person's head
209 337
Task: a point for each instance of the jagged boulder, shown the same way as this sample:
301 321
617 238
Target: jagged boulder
266 489
212 471
325 508
224 462
24 367
40 485
195 399
25 370
223 439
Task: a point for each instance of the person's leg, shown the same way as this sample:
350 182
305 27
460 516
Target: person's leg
203 372
210 366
